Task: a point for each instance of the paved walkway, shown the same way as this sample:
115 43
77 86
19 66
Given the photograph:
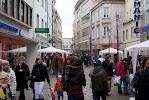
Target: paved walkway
87 90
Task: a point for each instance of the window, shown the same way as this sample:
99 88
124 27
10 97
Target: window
26 14
123 35
37 21
132 33
4 6
46 5
98 32
126 16
11 3
106 29
86 18
46 25
85 6
126 34
78 13
78 34
30 16
106 11
78 24
42 3
130 13
93 17
22 11
85 31
17 9
42 24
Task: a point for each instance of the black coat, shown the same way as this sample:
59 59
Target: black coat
141 84
40 73
76 78
20 77
108 67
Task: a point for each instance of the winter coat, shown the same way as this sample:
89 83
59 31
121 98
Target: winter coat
76 78
60 63
108 67
22 83
141 85
98 80
13 84
121 69
58 86
39 73
4 79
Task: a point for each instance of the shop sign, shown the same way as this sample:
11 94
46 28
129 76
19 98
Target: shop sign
9 28
41 30
144 29
137 16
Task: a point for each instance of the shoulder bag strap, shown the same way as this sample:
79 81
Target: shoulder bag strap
107 66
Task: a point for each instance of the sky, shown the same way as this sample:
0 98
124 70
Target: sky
66 8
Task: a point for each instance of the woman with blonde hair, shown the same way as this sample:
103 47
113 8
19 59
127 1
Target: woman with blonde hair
22 73
11 73
4 81
39 73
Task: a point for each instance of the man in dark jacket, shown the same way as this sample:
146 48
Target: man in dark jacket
99 82
108 67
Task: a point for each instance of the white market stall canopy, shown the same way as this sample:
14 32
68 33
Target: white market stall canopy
20 50
135 49
48 49
110 50
51 49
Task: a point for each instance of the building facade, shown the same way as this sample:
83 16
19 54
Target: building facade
67 44
43 19
81 26
57 34
105 19
16 22
129 37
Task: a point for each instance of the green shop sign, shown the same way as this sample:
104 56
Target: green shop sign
41 30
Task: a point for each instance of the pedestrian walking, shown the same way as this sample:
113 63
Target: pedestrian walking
57 64
4 81
22 73
99 82
87 60
76 79
12 76
108 67
39 74
121 71
141 81
58 87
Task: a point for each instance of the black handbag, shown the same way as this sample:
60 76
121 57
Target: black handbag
27 78
31 85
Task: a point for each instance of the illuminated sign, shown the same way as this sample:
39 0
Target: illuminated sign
137 16
9 28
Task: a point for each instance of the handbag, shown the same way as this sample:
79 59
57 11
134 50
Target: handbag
27 78
117 80
31 85
2 95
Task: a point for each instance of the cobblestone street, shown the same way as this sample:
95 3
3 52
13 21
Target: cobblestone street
113 95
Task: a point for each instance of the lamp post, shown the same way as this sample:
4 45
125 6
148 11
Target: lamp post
117 19
109 38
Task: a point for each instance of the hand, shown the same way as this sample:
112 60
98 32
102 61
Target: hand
20 70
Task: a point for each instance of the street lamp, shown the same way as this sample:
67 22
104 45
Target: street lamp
108 30
117 19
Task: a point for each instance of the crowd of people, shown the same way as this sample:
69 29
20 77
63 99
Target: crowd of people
71 78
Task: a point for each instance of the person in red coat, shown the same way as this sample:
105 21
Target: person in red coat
121 71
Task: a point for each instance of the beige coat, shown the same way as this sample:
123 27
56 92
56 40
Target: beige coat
4 79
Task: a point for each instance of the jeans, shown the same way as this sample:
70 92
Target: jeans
75 97
60 94
58 72
96 96
38 90
125 83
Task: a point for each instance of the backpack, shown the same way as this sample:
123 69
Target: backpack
65 78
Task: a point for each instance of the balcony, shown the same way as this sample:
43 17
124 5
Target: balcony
106 20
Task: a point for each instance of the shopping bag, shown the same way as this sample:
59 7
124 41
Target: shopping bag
51 95
117 81
2 95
